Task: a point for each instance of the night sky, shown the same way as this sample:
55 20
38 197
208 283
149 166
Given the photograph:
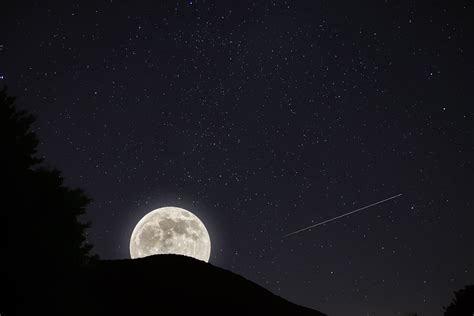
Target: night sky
262 118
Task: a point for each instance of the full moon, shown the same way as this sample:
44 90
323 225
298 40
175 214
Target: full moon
170 230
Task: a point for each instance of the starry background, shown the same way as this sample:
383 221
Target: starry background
262 118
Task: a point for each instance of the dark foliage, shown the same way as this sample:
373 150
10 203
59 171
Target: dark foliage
463 303
39 213
167 285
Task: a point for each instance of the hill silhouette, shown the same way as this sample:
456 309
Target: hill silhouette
166 285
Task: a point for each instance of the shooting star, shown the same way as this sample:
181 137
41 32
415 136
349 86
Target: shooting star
341 216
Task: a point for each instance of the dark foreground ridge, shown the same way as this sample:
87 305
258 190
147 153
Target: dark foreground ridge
167 285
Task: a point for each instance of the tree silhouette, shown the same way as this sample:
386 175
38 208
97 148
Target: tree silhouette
45 238
463 303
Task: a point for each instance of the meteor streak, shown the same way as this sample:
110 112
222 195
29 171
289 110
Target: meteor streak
341 216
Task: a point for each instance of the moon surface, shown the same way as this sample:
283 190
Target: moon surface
170 230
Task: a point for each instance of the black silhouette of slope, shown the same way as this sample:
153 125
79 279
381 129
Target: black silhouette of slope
167 285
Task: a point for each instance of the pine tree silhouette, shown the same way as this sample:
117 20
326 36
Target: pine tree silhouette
463 303
40 215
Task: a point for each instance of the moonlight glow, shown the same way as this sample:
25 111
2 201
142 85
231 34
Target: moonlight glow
170 230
